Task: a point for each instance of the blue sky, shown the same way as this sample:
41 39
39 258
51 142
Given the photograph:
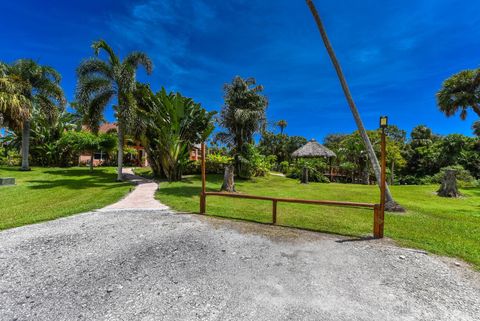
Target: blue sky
395 54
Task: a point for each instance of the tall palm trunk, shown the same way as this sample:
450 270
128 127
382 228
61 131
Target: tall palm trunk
25 145
121 136
390 203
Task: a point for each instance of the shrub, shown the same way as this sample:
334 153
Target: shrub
464 178
316 169
254 164
214 164
283 167
10 157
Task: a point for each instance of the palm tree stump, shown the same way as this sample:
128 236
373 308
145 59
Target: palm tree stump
228 180
449 185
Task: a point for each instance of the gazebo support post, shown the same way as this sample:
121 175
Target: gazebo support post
203 196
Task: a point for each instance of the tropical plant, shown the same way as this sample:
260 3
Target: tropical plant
316 169
390 202
14 105
242 115
45 131
253 163
170 125
42 89
99 82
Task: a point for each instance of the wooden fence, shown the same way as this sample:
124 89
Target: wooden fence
378 209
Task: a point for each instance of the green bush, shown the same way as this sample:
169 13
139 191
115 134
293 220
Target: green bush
253 164
316 169
283 167
464 178
214 164
10 157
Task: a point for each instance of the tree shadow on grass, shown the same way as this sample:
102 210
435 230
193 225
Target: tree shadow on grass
184 191
78 179
82 183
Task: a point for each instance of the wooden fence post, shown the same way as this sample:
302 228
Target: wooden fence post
203 196
274 212
376 221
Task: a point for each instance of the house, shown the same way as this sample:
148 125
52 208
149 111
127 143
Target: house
195 152
139 158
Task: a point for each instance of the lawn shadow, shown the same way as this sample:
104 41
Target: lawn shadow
184 190
78 179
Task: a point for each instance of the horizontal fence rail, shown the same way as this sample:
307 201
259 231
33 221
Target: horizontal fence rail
293 200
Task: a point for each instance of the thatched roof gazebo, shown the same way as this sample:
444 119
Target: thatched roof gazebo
313 149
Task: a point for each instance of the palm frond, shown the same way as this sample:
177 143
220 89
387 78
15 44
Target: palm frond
136 59
102 44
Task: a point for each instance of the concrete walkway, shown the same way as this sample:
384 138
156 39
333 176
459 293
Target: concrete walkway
142 197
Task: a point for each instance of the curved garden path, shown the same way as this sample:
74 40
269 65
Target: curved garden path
141 198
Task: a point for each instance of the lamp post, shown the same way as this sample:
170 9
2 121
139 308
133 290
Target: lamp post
383 176
203 197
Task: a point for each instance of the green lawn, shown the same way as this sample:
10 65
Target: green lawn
444 226
48 193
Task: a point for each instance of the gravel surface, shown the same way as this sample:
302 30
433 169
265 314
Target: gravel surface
156 265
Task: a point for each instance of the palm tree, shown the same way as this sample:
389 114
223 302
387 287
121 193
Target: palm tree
390 205
43 91
282 124
100 81
14 105
460 92
242 115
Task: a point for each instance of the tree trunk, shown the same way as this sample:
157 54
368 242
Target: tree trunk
228 180
25 145
121 136
91 162
391 205
449 185
304 179
392 173
366 176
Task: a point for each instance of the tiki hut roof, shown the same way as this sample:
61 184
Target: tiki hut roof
313 149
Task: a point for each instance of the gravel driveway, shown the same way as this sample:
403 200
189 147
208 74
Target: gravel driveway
156 265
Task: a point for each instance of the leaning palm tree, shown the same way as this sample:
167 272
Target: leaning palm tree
390 205
43 91
99 82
